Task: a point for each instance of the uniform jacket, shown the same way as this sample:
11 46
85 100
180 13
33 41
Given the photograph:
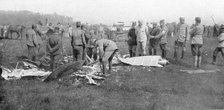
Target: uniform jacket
196 34
105 45
31 38
78 37
54 44
221 40
182 32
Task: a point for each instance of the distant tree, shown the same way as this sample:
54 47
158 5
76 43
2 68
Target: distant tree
28 18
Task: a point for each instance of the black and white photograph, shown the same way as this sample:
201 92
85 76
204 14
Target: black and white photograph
111 55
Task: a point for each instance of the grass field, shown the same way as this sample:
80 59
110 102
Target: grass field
129 88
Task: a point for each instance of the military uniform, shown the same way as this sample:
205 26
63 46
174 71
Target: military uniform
78 44
153 42
132 42
220 46
182 34
54 48
163 40
196 34
32 44
107 50
141 33
196 39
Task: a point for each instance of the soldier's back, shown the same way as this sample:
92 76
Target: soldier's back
77 37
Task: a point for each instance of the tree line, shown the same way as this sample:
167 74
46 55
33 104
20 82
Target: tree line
28 18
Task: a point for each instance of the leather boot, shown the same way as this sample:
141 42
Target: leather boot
199 61
110 67
182 54
195 61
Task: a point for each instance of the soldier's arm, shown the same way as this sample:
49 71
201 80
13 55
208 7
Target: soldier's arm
187 33
34 38
101 51
83 39
48 46
220 38
57 47
192 31
161 34
147 31
136 31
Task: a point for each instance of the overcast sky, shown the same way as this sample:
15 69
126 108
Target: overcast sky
111 11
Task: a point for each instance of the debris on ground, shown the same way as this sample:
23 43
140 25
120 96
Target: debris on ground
27 70
64 70
200 71
153 61
90 73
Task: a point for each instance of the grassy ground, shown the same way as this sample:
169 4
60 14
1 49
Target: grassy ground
129 88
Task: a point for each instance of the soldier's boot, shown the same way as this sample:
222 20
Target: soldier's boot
110 67
150 52
175 54
182 54
199 61
104 69
195 61
214 60
155 52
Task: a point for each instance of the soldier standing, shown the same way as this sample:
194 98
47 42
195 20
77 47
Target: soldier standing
54 48
182 35
78 42
197 41
32 43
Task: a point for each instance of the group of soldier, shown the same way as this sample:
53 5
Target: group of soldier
83 43
139 35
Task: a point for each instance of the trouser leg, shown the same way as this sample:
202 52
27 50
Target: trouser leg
32 52
74 53
199 56
84 56
163 48
199 61
151 49
182 52
130 51
138 49
215 54
134 50
78 53
155 51
110 60
55 61
221 50
107 57
94 53
144 43
195 61
175 52
141 48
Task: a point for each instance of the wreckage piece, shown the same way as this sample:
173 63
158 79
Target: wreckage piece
90 73
90 77
60 71
19 73
153 61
